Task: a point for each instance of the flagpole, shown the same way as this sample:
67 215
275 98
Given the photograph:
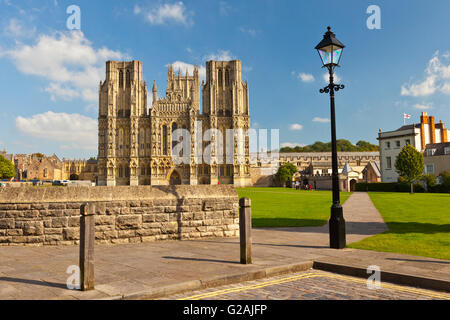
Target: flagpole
404 121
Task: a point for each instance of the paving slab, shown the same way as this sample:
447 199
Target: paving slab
151 269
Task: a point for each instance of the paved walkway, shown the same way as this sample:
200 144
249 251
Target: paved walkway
310 285
122 270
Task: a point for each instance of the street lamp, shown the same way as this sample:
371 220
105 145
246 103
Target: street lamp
330 52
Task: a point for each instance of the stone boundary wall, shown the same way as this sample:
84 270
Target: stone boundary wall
123 214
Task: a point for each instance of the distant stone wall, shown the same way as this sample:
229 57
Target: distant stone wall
125 214
261 177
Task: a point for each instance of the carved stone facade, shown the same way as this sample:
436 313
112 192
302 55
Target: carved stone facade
135 144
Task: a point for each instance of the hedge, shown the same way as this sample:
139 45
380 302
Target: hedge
388 187
439 188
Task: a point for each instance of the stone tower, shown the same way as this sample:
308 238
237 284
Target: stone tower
122 107
225 106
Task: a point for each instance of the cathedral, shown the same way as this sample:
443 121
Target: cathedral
138 145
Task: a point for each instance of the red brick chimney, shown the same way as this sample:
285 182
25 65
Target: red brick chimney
432 130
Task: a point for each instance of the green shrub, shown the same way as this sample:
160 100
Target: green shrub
429 179
445 179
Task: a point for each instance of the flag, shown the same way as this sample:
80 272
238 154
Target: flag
406 116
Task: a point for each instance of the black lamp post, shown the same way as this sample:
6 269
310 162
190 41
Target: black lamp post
330 52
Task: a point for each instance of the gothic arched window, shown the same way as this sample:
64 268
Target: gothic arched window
227 77
120 79
128 79
174 127
219 75
164 135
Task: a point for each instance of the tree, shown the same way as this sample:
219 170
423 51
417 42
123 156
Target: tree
341 144
285 172
7 170
409 165
38 155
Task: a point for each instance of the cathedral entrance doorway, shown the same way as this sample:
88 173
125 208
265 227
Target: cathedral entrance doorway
175 178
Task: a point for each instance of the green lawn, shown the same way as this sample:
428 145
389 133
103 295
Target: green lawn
287 207
419 224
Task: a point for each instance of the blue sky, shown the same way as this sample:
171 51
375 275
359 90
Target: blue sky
50 74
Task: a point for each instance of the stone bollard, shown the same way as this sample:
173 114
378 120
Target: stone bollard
87 239
245 230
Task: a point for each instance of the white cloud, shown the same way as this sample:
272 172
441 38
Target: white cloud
446 88
221 55
306 77
68 60
249 31
72 129
292 144
296 126
322 120
326 78
166 13
437 79
224 8
423 106
16 28
425 88
183 66
137 9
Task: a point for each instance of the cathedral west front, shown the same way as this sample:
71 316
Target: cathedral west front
138 145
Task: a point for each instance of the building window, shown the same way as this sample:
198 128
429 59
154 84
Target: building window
219 76
127 172
228 171
174 127
128 79
447 150
397 144
164 134
388 145
227 77
430 152
120 79
407 141
429 168
388 163
120 172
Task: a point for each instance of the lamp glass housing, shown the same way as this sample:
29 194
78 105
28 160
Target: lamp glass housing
330 55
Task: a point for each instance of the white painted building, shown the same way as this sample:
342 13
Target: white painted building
418 135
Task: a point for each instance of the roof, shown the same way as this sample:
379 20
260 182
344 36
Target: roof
375 165
409 126
440 148
347 168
